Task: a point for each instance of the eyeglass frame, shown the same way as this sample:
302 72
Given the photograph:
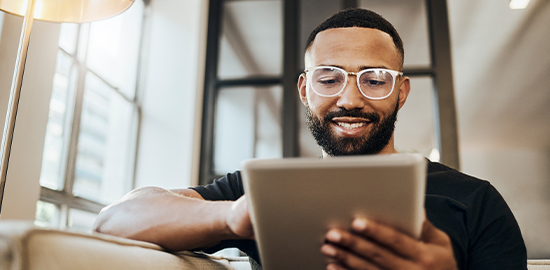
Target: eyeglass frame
393 73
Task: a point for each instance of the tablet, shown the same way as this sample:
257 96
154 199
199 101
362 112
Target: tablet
294 201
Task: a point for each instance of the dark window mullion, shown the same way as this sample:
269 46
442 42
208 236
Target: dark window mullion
210 91
418 72
252 81
446 122
290 69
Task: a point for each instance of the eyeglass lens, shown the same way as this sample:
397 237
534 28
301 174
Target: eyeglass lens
373 83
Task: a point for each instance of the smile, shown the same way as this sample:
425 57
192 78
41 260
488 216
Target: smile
351 125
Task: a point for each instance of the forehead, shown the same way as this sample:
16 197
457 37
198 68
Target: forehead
353 48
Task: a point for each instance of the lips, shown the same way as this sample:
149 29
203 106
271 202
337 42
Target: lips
350 126
350 122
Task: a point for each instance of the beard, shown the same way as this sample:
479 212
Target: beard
378 137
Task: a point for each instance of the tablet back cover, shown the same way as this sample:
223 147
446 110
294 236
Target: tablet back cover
293 202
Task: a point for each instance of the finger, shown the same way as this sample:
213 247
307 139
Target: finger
363 248
387 236
346 259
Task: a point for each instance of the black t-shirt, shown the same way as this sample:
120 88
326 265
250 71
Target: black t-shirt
483 230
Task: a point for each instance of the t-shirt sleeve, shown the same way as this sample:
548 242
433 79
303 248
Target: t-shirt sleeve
227 188
495 239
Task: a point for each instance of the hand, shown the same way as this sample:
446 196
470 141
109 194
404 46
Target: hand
238 219
371 245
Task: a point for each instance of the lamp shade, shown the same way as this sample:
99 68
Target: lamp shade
70 11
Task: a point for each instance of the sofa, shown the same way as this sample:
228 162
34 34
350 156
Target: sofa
26 247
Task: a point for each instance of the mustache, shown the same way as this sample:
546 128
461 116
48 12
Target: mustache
342 112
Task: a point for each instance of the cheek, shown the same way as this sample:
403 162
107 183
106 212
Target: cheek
385 107
319 105
311 97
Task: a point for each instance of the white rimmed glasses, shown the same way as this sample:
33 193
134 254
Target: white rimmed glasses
374 83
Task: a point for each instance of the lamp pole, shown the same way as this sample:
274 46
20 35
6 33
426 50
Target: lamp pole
9 125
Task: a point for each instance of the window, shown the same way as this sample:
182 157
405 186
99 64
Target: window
89 149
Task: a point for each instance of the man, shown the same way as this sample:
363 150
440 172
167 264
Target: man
352 89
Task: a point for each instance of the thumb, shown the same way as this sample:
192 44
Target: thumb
239 221
431 234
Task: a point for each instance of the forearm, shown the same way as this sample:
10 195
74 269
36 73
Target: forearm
165 218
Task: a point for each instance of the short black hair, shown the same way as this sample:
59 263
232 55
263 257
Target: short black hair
358 17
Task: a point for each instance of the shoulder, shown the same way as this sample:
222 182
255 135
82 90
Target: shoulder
449 183
463 194
483 230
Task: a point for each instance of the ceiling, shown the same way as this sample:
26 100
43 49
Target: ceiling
501 63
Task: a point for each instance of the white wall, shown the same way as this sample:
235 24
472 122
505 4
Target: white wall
502 88
522 176
22 182
176 38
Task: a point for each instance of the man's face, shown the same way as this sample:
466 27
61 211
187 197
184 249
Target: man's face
350 123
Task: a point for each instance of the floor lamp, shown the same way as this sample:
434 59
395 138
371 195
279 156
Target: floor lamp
70 11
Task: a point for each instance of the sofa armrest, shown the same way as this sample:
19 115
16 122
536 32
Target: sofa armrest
538 264
24 246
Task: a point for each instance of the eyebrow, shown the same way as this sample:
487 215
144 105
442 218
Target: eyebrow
367 67
360 68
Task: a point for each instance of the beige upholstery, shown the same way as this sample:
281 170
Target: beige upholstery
23 246
538 264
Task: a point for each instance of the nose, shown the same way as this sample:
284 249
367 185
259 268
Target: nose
351 98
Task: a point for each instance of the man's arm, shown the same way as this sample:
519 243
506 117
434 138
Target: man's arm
371 245
176 220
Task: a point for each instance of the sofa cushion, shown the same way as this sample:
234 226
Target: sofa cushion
24 246
538 264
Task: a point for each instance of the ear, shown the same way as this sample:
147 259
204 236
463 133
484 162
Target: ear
302 87
404 89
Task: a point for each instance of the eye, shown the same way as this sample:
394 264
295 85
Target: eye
373 83
328 80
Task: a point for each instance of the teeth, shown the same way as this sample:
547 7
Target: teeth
350 125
